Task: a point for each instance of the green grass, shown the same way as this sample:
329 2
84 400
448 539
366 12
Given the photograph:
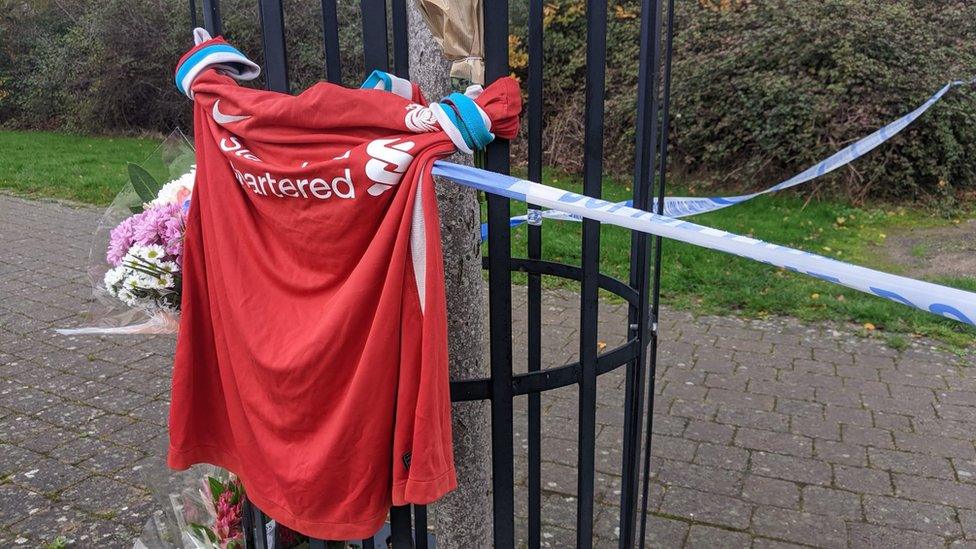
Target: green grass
919 250
710 282
83 169
92 170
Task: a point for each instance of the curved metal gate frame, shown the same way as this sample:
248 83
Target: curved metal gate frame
638 354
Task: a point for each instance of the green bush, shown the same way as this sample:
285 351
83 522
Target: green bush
107 67
769 89
761 89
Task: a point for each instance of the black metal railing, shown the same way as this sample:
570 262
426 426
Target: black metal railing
408 524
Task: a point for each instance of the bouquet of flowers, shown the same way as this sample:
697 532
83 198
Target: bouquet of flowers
203 509
144 250
136 252
223 502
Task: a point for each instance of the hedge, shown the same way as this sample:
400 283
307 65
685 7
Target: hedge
762 88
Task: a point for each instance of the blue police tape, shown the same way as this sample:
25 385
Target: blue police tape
682 206
948 302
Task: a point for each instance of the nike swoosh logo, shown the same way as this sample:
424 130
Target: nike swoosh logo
222 118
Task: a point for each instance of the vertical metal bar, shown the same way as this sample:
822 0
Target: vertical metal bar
596 35
330 41
193 14
401 53
273 39
534 305
656 290
211 17
375 53
247 524
639 317
500 297
400 527
260 528
420 526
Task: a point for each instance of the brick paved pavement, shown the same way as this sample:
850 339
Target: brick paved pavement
767 433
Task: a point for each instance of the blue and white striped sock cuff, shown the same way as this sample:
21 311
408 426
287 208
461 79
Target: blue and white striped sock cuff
464 121
215 53
379 80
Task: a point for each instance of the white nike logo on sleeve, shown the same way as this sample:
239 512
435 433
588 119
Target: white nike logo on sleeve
222 118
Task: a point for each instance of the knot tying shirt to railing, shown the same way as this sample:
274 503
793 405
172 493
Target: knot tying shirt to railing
212 53
459 115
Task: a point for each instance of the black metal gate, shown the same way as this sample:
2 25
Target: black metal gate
638 354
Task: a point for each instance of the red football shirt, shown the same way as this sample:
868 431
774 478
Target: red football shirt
312 354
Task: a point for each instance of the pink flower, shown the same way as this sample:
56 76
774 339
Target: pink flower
228 523
120 240
161 224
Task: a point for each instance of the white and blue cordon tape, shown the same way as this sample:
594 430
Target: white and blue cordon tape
682 206
941 300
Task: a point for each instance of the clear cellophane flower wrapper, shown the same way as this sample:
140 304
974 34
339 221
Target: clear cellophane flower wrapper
199 508
134 263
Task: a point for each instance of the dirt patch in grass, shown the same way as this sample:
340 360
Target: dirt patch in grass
934 252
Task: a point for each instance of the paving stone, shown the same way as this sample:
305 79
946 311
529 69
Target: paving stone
48 475
827 501
860 479
791 468
111 457
724 457
101 495
815 428
935 491
849 415
17 503
705 507
799 527
707 431
924 517
867 436
870 535
967 519
707 537
770 491
934 445
911 463
756 419
766 543
840 452
709 479
15 459
892 422
673 448
779 443
665 532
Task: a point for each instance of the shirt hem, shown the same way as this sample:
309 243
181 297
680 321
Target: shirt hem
422 492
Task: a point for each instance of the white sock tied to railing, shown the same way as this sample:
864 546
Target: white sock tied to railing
949 302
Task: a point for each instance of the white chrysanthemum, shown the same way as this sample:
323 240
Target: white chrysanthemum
177 189
127 297
153 253
145 281
168 266
167 282
114 277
